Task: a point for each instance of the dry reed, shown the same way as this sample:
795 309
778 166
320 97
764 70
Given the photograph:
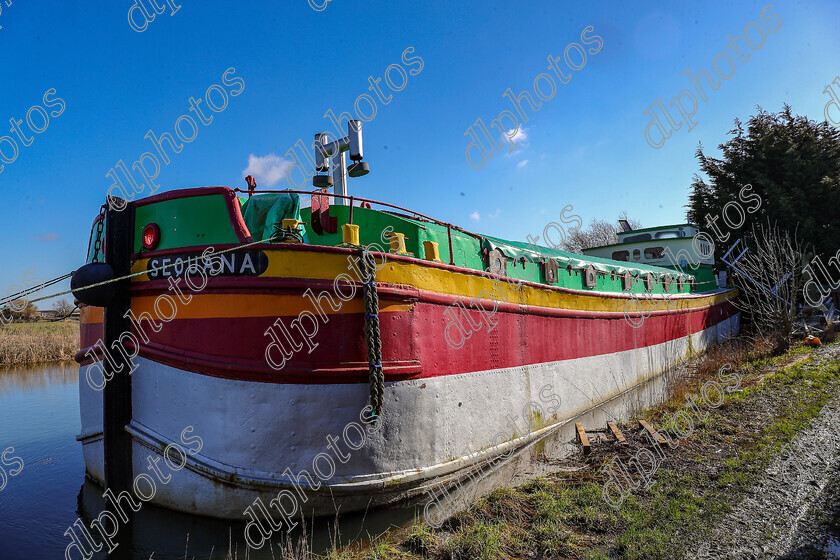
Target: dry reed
38 342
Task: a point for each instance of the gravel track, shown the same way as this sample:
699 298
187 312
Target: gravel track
782 516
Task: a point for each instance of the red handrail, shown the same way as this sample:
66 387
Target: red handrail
370 201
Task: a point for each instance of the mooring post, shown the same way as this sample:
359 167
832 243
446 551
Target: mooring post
116 397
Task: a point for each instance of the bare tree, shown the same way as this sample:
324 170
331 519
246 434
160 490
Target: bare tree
63 308
769 276
599 232
634 223
21 309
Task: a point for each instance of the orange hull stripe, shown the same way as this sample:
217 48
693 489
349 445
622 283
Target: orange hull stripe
90 314
205 306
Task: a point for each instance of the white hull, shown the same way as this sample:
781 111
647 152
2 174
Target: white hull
252 432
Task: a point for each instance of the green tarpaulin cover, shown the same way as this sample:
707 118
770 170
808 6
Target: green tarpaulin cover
262 211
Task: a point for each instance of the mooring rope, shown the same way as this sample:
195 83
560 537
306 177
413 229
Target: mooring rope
147 271
376 378
62 318
9 299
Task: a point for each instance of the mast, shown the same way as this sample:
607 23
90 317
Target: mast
324 150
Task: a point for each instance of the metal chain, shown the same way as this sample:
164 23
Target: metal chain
100 225
376 378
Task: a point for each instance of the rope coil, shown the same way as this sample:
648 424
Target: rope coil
284 234
376 378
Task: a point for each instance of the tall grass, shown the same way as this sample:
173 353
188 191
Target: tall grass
737 353
35 343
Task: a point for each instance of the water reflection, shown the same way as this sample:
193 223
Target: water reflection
30 378
168 533
39 417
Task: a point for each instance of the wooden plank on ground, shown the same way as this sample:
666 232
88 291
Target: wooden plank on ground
657 437
617 433
581 436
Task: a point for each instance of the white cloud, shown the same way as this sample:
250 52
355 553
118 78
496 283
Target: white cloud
522 163
475 216
494 214
268 170
520 135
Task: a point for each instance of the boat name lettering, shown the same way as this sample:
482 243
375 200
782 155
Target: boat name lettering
234 263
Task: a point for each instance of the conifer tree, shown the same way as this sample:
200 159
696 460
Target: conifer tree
792 162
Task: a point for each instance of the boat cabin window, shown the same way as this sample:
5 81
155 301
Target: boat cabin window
654 252
636 254
621 255
705 249
667 235
640 237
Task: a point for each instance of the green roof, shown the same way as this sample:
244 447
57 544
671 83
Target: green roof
516 250
658 228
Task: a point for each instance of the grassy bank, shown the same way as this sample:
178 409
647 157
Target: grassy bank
38 342
565 516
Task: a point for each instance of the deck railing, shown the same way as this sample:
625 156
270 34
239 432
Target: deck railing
353 199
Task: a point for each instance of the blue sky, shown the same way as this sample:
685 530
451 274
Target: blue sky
584 147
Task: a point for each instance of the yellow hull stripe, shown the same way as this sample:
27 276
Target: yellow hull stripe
326 266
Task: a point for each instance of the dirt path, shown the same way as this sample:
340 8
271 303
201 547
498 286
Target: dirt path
778 518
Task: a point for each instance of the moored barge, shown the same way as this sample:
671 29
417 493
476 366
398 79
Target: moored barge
264 346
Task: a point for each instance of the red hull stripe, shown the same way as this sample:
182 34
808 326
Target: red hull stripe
413 343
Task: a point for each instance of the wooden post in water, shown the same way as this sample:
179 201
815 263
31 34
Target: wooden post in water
116 397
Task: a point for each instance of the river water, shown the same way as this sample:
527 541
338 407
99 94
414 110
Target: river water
39 418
